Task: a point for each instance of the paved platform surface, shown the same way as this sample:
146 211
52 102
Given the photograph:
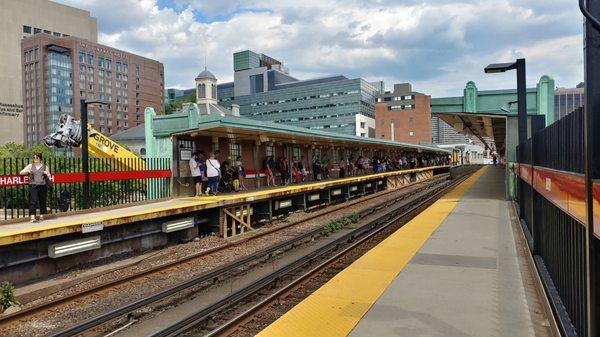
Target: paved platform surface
65 224
451 271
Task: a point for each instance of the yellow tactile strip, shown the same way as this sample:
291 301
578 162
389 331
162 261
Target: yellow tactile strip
335 308
150 211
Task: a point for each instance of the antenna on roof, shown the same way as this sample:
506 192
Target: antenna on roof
205 56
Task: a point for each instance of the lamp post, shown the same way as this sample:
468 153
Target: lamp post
85 154
519 64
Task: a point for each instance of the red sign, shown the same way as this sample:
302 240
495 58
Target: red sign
77 177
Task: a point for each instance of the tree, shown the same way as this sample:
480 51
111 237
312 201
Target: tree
14 150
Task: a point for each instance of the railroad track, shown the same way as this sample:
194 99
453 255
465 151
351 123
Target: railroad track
350 242
32 311
225 270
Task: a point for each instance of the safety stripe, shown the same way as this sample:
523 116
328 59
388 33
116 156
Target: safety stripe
335 308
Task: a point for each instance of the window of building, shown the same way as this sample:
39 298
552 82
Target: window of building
90 59
27 29
47 32
234 151
118 66
410 121
56 34
411 133
270 150
335 156
382 121
107 63
108 73
81 57
36 30
124 68
65 35
202 90
100 61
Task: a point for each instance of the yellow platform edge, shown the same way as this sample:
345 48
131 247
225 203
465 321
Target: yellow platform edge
41 230
339 305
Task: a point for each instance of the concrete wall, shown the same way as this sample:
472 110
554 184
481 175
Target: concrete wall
42 14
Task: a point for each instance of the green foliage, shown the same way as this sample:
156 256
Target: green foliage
355 217
336 225
14 150
7 296
177 104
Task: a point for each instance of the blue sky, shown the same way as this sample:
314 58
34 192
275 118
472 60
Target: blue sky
438 45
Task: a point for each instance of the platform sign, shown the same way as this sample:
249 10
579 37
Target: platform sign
92 227
185 154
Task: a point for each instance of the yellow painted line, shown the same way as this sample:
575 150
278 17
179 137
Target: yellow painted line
44 230
335 308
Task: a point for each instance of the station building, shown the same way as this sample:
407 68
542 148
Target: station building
264 90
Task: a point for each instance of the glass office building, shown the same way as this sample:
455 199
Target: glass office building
566 100
264 90
59 86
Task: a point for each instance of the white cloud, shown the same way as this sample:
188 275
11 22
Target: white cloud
438 45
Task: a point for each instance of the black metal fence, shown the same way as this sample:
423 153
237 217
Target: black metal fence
112 182
559 240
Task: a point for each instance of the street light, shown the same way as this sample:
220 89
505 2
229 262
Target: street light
85 154
519 64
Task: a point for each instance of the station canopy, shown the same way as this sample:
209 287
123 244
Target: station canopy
190 123
483 113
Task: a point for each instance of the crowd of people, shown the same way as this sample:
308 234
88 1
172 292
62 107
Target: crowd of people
212 176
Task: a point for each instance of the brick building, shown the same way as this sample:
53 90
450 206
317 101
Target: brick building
403 115
59 71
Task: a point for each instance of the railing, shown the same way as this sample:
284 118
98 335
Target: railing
112 182
551 192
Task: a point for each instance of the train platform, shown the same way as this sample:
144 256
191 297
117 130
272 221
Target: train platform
454 270
23 231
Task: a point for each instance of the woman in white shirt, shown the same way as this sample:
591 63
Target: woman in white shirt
37 185
213 172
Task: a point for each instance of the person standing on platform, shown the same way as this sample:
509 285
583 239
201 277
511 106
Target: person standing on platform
197 169
241 173
343 168
316 167
302 168
39 175
213 172
325 167
269 167
284 170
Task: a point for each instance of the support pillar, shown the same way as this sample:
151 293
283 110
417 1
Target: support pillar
591 157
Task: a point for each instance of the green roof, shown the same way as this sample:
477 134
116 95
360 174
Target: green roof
206 122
